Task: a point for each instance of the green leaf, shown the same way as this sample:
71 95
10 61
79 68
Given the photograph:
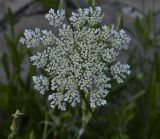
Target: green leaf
10 18
32 135
5 64
154 131
12 48
148 23
119 24
157 66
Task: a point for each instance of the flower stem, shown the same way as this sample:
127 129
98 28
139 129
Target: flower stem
87 114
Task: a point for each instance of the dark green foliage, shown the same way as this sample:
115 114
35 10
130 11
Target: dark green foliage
55 4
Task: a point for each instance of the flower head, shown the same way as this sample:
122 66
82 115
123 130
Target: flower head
81 58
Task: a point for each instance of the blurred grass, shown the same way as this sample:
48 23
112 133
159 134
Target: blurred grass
132 111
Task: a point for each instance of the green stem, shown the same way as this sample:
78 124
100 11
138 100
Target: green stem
86 115
88 106
93 2
62 4
83 125
45 126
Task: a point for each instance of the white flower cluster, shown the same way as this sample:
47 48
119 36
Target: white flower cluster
84 16
80 59
55 18
119 71
41 83
37 38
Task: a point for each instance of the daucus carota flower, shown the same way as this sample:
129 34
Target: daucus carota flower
81 58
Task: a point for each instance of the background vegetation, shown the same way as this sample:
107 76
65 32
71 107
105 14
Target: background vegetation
133 109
